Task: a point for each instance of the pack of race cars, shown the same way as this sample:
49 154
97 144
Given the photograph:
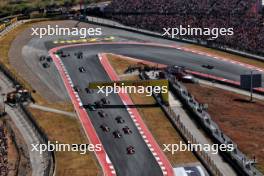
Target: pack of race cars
119 120
99 105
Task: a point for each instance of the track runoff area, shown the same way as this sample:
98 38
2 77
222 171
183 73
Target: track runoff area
114 159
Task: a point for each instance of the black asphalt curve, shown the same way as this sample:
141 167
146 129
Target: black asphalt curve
142 163
169 56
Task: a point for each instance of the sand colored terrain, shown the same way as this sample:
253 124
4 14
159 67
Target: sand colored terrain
67 131
242 121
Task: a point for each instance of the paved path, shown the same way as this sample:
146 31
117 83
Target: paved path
48 109
199 136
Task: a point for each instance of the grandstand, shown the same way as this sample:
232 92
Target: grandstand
3 152
154 15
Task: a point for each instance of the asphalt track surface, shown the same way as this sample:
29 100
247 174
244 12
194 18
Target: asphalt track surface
142 162
169 56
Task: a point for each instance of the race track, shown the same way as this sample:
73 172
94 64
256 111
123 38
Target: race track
142 162
169 56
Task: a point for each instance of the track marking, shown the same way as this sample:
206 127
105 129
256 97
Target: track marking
134 114
90 132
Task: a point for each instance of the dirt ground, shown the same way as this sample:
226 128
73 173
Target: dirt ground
67 130
242 121
157 122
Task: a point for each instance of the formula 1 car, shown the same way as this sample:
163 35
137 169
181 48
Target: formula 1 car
117 134
105 101
98 104
77 88
105 128
101 113
119 119
210 67
87 90
130 150
82 69
90 107
127 130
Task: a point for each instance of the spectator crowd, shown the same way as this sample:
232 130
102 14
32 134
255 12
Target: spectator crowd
243 16
3 153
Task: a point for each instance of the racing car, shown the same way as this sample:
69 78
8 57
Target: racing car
210 67
101 113
127 130
105 101
105 128
82 69
130 150
117 134
119 119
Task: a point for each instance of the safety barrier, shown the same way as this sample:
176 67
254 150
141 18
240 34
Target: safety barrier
203 156
42 136
236 158
185 133
5 25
